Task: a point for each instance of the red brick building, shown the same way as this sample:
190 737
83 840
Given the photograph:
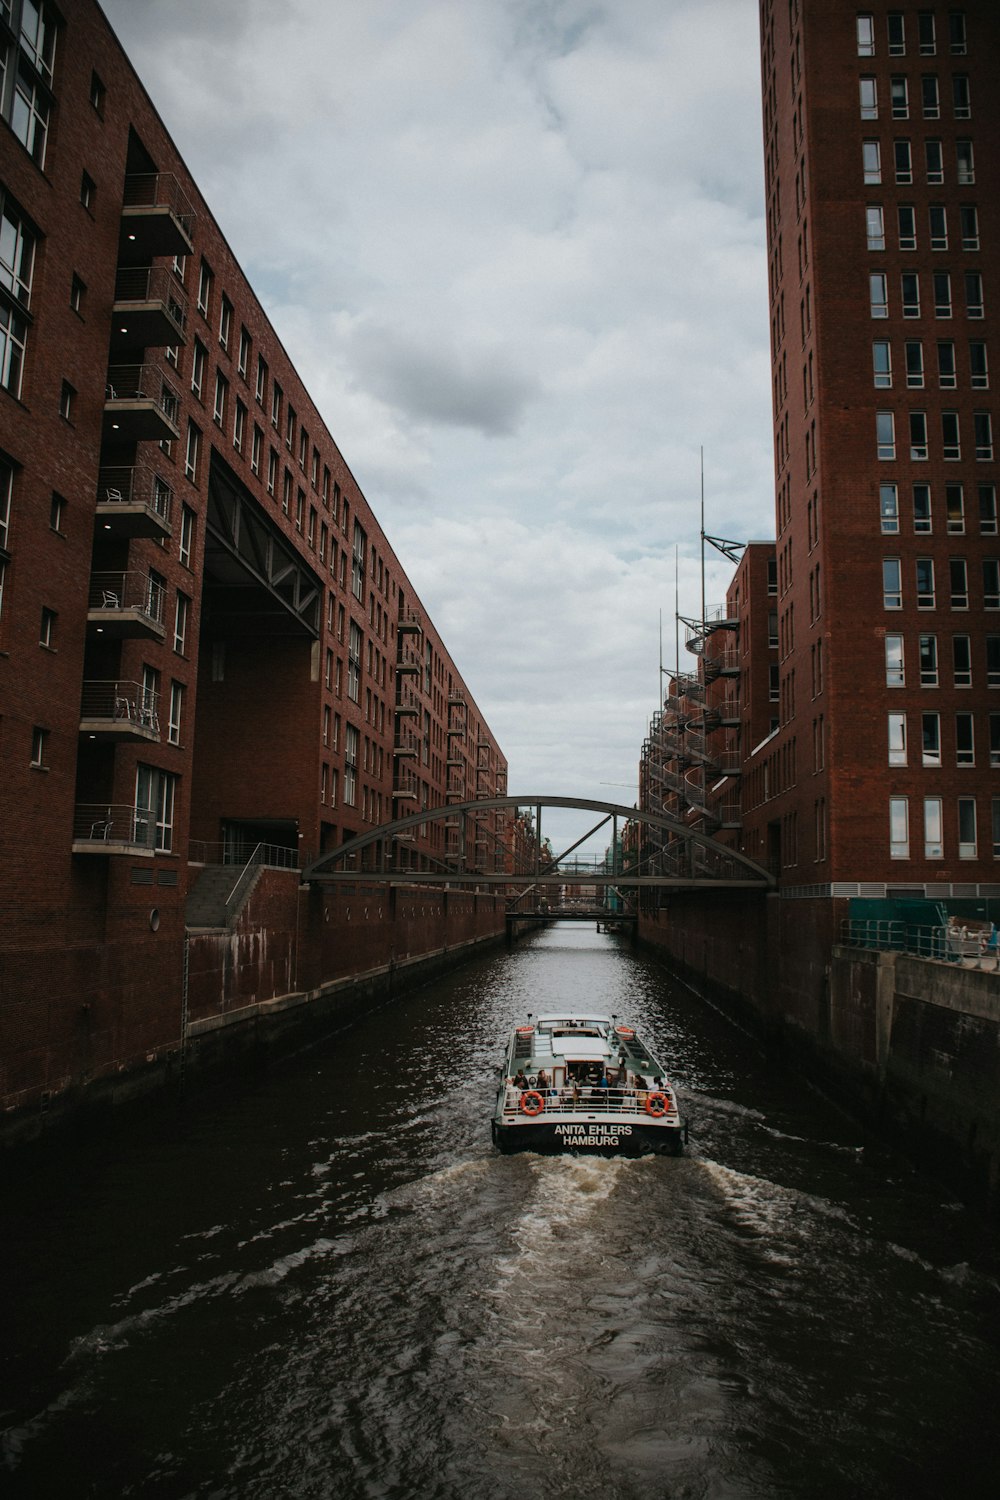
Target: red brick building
207 643
883 221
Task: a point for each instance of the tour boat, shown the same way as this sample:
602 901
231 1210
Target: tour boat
578 1082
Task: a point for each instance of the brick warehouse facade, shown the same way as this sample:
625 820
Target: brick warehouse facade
207 644
876 777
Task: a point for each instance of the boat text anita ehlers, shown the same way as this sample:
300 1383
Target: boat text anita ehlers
577 1082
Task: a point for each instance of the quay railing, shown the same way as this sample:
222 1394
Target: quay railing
948 943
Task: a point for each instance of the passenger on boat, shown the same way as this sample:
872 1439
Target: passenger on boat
520 1079
543 1079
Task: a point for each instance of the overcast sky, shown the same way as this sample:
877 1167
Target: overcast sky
515 249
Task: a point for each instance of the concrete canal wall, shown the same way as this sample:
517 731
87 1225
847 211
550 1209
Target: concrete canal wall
909 1045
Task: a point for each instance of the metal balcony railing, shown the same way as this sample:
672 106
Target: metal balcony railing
105 827
138 485
136 592
948 943
145 382
159 190
145 284
121 702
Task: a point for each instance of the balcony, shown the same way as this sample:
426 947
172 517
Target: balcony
407 745
150 308
140 405
118 711
134 502
408 666
157 217
406 790
126 606
103 828
407 703
409 623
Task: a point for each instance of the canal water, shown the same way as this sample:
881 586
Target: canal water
331 1285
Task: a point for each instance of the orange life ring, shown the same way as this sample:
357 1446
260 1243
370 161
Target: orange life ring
657 1104
539 1105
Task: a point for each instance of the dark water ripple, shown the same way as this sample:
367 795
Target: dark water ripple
331 1285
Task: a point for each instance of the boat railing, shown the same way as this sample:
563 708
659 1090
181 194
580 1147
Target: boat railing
586 1099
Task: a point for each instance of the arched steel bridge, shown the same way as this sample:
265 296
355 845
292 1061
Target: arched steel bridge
486 851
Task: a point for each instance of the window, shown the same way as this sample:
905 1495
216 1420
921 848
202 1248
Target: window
354 645
968 218
995 740
878 294
866 36
906 216
947 376
941 282
192 453
965 162
221 393
897 33
950 435
17 260
39 747
155 792
911 294
991 583
921 507
988 509
176 712
261 386
926 41
889 508
895 674
933 836
899 833
24 96
239 425
930 96
869 98
925 582
961 97
57 508
961 660
914 352
982 424
98 93
892 583
973 294
256 447
276 406
875 227
272 470
966 827
225 321
993 661
938 215
954 504
897 739
300 510
927 650
956 32
187 535
77 292
871 161
958 583
886 434
198 357
882 362
289 427
47 629
358 562
965 741
934 157
918 435
350 765
899 96
181 617
930 739
204 288
903 161
978 371
244 354
67 396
